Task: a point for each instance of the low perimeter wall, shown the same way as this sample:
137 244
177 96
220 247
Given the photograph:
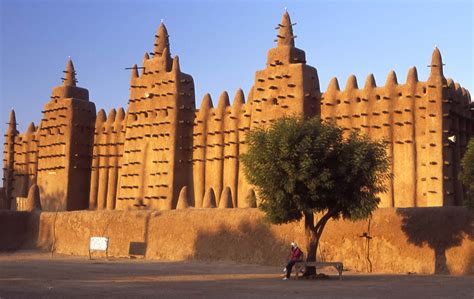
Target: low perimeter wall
423 240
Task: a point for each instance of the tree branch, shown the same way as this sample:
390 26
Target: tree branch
325 219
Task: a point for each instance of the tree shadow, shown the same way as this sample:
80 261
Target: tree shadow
441 228
249 243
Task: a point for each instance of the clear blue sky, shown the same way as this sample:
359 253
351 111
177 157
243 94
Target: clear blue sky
220 43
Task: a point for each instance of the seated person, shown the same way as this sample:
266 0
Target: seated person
296 255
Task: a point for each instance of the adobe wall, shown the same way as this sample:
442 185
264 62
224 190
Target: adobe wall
415 120
107 156
402 240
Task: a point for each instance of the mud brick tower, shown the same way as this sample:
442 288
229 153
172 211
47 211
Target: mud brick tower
8 162
65 146
288 86
158 139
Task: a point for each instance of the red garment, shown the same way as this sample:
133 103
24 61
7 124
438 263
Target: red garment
295 254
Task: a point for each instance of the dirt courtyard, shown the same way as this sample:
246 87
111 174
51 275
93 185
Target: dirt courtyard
33 274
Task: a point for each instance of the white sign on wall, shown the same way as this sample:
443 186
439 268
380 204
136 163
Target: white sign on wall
99 243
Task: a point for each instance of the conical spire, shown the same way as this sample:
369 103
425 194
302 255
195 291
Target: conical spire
206 103
134 74
370 82
239 98
285 33
436 60
120 114
111 116
31 128
333 85
239 101
351 83
223 101
412 76
70 74
250 95
12 123
436 63
175 67
226 199
391 78
101 117
209 200
183 199
162 40
251 198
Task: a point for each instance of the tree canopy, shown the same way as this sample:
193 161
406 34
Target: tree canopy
301 167
467 175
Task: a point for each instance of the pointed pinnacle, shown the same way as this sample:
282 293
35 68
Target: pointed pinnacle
206 103
161 41
31 128
12 120
436 60
183 199
223 101
412 76
370 82
70 74
391 78
111 116
134 73
175 67
351 83
333 85
285 34
120 114
436 64
101 117
239 98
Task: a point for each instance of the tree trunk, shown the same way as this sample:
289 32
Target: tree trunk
313 234
312 242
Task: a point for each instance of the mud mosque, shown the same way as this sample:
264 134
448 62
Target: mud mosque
161 152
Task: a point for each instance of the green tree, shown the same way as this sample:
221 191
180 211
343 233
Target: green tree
467 175
302 167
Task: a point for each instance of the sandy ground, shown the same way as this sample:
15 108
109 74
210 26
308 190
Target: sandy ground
32 275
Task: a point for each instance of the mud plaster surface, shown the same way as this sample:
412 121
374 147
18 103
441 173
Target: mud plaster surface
434 240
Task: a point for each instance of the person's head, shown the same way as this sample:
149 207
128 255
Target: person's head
293 244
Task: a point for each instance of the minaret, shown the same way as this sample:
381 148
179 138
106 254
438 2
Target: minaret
439 192
160 118
70 74
162 46
65 146
285 33
436 67
288 86
9 159
162 40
